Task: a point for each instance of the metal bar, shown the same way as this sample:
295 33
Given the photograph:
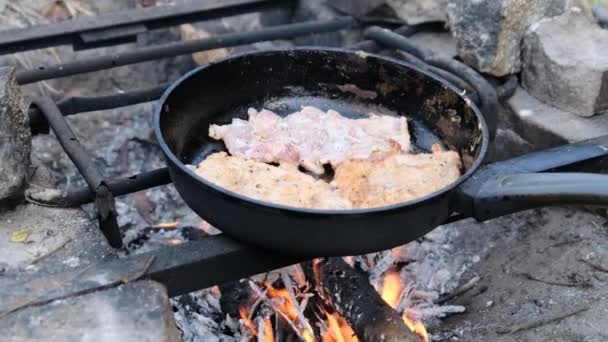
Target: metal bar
118 187
104 201
81 104
184 268
69 32
557 157
68 141
487 93
182 48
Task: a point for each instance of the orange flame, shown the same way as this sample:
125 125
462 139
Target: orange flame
174 242
338 330
391 293
243 312
268 333
392 288
417 327
166 225
283 302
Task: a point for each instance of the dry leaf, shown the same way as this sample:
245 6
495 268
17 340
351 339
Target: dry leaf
189 32
21 236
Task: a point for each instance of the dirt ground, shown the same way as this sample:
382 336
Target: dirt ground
553 262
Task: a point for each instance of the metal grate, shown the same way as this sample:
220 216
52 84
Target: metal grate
176 265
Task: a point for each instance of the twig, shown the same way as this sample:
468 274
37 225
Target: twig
543 320
461 290
567 242
597 267
554 282
255 305
55 250
274 307
299 314
260 329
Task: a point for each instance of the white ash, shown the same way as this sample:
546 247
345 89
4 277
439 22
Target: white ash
199 317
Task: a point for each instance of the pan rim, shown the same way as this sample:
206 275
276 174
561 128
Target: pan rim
322 212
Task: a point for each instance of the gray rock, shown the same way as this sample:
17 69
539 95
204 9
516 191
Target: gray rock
566 65
137 311
415 12
545 126
322 10
489 32
52 240
15 137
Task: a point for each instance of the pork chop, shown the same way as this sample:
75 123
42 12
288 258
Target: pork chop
283 184
311 137
397 177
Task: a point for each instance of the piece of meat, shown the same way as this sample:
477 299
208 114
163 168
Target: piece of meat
397 177
311 137
283 184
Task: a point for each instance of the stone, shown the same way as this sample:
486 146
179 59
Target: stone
15 137
137 311
566 65
489 32
55 240
412 12
545 126
415 12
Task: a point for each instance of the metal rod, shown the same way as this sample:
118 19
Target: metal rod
487 93
71 31
182 48
556 157
104 200
68 141
118 187
81 104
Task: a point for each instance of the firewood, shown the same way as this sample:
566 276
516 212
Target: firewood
352 295
235 295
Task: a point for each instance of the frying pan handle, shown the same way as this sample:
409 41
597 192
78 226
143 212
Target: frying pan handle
502 194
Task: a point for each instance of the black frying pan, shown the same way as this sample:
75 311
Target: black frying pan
283 81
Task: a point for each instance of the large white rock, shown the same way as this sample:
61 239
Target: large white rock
566 64
489 32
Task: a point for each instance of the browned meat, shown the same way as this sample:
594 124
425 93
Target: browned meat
283 184
311 137
397 178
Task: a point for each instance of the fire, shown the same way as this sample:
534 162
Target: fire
174 241
267 331
243 312
166 225
392 288
289 306
391 293
417 327
338 330
283 301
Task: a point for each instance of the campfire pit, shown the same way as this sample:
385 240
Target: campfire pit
328 299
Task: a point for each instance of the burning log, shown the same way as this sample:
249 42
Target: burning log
351 294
